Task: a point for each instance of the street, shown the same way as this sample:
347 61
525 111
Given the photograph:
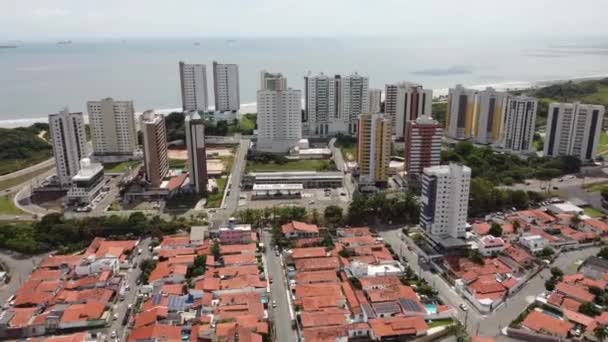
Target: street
19 269
491 324
278 289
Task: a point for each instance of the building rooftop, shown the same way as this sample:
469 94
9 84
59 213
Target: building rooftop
278 187
543 323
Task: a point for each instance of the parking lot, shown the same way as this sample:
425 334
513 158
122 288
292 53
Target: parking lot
311 198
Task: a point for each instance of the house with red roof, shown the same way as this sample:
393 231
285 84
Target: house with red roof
397 328
490 245
536 216
542 323
300 230
595 226
156 332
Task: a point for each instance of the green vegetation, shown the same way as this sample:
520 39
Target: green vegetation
55 232
146 267
7 207
290 165
590 211
602 147
183 201
333 215
214 200
174 123
347 145
197 269
593 187
495 230
22 147
120 167
177 163
439 111
400 208
11 182
440 323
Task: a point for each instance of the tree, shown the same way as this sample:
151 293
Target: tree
556 272
600 333
547 252
550 284
495 230
588 309
475 257
333 215
314 217
603 253
215 249
516 226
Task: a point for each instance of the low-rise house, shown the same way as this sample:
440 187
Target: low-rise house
536 216
595 226
490 245
397 328
594 268
542 323
519 255
300 230
534 243
156 332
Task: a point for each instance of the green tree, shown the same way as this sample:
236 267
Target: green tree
333 215
215 249
475 257
495 230
556 272
600 333
603 253
588 309
547 252
550 284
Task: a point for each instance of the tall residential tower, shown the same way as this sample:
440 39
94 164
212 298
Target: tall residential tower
422 145
193 80
520 117
226 87
197 151
321 105
373 148
406 102
156 162
68 138
112 129
354 99
573 129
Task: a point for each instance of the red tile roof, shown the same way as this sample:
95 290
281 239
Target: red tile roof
315 319
172 289
160 332
575 292
481 228
55 261
543 323
317 290
21 317
316 277
325 334
296 226
398 326
596 224
150 316
83 312
77 337
310 252
536 214
237 249
317 264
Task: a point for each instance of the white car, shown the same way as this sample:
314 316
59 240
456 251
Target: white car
274 303
464 307
115 317
113 334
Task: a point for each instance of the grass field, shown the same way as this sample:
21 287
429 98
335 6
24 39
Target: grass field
590 211
120 167
603 145
215 200
9 183
596 187
7 207
11 165
177 163
348 153
296 165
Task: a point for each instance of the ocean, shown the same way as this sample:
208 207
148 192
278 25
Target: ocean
38 78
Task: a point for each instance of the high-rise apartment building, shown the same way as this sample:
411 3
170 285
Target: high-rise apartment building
390 102
422 145
412 101
279 114
489 114
354 99
460 112
373 148
573 129
197 151
375 100
445 200
156 161
520 117
68 138
112 129
226 87
321 105
193 80
476 115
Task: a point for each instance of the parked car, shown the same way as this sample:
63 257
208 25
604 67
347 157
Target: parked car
274 303
464 307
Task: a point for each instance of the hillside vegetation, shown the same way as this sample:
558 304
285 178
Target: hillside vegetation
21 147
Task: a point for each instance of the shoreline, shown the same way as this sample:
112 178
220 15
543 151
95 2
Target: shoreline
252 106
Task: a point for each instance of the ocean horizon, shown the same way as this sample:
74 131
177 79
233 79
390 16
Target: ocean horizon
39 78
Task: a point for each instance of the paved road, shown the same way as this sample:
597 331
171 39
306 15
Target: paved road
278 292
20 269
27 170
341 166
231 201
130 296
489 325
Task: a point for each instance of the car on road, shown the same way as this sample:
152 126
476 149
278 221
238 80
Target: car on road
274 303
311 202
276 252
464 307
113 334
270 278
343 193
115 317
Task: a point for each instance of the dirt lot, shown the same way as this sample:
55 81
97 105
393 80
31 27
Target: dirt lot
211 151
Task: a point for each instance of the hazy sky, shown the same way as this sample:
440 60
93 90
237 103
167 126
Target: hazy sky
21 19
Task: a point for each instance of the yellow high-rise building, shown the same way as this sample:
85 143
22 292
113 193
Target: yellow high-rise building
460 112
374 148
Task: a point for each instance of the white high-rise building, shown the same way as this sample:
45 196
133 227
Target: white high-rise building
193 80
520 117
197 151
354 100
411 102
375 100
112 129
445 200
279 114
321 116
68 138
226 87
573 129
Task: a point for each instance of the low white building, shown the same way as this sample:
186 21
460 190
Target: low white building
565 208
87 183
360 269
94 265
490 245
534 243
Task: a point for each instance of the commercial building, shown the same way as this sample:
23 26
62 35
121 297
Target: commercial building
573 129
197 151
520 117
353 99
68 138
422 145
308 179
226 87
410 102
112 129
87 183
321 106
193 80
475 114
279 114
375 100
373 148
445 200
156 161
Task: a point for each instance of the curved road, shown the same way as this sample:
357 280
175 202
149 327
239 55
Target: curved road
46 163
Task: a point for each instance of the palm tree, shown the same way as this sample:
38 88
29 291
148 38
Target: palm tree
600 333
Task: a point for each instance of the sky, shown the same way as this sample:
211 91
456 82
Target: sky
69 19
